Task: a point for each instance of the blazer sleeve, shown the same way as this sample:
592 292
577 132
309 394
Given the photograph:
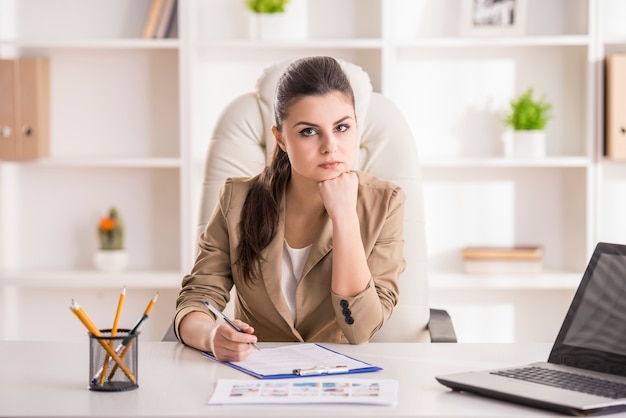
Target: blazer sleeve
362 315
211 276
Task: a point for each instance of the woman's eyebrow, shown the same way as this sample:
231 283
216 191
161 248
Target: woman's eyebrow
343 119
305 123
313 125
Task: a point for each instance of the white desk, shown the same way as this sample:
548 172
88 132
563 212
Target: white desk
40 379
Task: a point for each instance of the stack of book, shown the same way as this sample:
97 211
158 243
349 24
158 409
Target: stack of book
517 259
161 19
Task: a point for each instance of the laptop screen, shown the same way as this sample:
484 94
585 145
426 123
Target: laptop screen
593 334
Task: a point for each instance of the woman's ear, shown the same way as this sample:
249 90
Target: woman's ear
279 138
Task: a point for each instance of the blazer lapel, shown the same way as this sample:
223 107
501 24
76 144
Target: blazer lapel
272 271
321 246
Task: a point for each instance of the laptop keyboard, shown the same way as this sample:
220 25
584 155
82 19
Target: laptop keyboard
565 380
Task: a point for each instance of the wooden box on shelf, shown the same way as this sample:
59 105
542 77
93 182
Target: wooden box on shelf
24 108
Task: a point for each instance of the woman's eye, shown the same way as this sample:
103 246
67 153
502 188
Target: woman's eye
308 132
342 128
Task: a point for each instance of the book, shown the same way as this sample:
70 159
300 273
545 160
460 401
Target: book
502 266
166 19
516 259
503 253
152 18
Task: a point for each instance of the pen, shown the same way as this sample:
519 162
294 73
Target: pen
116 322
317 371
126 341
82 316
228 321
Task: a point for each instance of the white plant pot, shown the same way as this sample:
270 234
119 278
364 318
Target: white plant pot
290 25
526 144
111 261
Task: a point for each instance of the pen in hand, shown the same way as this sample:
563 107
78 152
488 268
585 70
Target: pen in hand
219 314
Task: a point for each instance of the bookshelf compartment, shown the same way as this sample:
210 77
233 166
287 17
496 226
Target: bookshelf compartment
124 103
80 19
57 211
506 207
425 19
456 98
324 19
612 205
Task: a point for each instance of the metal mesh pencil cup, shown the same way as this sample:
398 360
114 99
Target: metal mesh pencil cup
106 373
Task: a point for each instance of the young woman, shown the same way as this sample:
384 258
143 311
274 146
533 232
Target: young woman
313 248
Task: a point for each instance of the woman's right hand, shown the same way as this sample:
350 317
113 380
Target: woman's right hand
198 330
229 345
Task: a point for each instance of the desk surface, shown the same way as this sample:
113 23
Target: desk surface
50 379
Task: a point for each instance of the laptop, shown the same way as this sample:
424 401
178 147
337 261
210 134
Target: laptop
585 372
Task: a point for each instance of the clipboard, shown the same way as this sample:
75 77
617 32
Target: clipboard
298 360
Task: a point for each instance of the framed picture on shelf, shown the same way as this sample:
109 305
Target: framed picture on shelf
493 17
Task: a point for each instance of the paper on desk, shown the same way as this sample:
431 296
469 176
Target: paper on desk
321 390
280 362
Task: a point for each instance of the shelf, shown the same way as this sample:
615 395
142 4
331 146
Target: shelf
100 162
309 44
525 41
503 162
541 281
615 40
137 43
140 279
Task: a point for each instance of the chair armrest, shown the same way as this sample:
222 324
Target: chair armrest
169 334
440 327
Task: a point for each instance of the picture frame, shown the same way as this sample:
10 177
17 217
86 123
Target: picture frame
493 17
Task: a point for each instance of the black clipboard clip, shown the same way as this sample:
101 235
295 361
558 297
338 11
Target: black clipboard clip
319 370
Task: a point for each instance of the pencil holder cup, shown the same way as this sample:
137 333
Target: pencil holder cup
113 361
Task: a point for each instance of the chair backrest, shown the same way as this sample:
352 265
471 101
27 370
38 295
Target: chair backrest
242 143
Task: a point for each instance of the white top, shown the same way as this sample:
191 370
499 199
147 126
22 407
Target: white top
293 263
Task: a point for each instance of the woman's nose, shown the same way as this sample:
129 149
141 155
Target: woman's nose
329 144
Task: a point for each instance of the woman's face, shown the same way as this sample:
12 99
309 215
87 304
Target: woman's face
319 135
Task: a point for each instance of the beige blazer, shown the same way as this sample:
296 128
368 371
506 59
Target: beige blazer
321 316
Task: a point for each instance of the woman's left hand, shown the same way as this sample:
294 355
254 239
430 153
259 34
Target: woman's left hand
339 195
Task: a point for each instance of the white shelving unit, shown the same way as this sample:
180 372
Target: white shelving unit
130 120
115 139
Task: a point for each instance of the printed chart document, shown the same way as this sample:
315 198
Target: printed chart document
324 390
298 360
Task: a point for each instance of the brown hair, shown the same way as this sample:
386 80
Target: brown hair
312 76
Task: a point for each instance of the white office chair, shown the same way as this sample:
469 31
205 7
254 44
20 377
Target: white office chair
242 143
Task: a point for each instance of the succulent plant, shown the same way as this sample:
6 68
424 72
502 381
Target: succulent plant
111 231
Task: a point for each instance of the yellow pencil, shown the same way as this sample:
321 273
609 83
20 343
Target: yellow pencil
82 316
116 322
128 341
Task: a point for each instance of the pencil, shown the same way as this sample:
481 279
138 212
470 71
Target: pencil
82 316
128 340
116 322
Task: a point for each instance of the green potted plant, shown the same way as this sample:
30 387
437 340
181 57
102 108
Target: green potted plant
111 255
267 6
277 20
528 118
